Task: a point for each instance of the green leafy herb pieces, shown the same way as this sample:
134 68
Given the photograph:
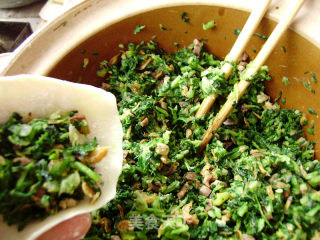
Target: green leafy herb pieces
256 179
184 17
208 25
43 165
86 170
285 80
261 36
139 28
69 184
164 28
310 129
283 48
313 77
308 87
312 111
279 96
237 31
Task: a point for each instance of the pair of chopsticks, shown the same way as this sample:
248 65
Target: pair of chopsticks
237 49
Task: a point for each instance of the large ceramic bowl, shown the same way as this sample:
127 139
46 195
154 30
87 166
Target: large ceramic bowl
98 26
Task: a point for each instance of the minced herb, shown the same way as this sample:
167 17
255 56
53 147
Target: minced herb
208 25
261 36
285 80
237 31
164 28
257 179
176 44
45 164
310 129
312 111
283 48
313 77
308 87
284 101
279 96
185 18
138 29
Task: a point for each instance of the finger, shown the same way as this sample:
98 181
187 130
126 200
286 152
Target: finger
71 229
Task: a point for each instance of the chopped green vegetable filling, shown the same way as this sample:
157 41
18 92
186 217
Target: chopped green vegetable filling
308 87
44 165
310 129
164 28
312 111
138 28
285 80
185 18
261 36
313 77
237 31
208 25
256 180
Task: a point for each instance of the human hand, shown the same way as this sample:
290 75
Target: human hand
71 229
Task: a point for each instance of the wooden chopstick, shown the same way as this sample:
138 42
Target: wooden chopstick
237 49
251 70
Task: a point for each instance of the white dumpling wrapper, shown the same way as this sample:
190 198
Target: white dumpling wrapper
43 96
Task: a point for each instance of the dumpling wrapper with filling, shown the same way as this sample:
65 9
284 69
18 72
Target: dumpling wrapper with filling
42 96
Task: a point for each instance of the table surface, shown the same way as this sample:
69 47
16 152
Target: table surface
28 13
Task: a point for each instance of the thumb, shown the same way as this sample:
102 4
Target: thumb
71 229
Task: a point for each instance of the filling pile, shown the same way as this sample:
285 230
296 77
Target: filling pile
257 178
46 165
